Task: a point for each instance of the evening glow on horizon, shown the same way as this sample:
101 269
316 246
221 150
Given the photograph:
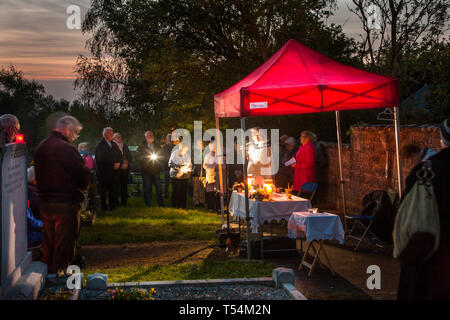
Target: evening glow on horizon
34 37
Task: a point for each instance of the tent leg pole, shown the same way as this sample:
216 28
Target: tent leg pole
219 152
397 151
247 204
341 182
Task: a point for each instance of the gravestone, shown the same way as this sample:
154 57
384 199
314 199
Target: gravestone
19 276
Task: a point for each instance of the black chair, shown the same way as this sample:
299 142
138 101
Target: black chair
377 218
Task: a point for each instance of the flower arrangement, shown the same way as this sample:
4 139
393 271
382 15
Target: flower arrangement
288 191
260 195
132 294
238 186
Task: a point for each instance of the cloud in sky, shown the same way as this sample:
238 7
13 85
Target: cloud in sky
34 38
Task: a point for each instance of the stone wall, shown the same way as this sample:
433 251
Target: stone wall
369 163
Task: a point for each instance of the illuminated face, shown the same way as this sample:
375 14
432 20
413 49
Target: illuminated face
117 138
304 139
73 134
149 137
12 131
109 134
255 135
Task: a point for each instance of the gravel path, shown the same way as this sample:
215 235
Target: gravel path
225 292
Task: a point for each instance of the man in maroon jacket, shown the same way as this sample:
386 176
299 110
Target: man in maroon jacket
61 176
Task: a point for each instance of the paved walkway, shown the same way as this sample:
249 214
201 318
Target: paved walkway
350 281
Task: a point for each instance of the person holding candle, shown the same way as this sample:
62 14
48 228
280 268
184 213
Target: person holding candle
211 166
148 156
180 170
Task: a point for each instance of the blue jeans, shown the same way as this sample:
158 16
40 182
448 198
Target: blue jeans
148 181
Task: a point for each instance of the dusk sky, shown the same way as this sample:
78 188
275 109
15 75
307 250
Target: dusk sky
35 39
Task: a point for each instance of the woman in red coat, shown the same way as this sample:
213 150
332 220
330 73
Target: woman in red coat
305 161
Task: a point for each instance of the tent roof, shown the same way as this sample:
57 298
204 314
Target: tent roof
299 80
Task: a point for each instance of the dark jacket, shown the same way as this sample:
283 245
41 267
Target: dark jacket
105 157
33 198
61 173
285 156
165 151
431 280
126 155
149 166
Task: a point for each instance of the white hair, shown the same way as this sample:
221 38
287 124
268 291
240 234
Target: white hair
31 175
8 120
68 122
106 129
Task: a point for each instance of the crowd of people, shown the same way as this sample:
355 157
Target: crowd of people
62 175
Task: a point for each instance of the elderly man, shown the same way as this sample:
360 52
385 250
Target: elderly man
149 157
259 154
9 127
61 176
107 162
124 169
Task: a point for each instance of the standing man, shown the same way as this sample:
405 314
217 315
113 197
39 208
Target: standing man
61 176
107 161
198 175
180 169
429 278
149 157
166 149
9 127
124 169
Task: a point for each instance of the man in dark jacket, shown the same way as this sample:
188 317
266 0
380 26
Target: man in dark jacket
430 279
61 176
124 170
107 161
149 157
166 149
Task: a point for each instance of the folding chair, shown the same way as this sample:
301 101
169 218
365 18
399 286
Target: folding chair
357 220
374 202
309 188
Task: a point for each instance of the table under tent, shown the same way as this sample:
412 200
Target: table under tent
298 80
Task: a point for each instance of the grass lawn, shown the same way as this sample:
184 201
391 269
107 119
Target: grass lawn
138 223
188 271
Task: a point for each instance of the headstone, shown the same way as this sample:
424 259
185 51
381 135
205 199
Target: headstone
283 275
97 281
16 268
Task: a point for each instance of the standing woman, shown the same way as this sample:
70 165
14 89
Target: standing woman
180 170
210 164
305 161
124 170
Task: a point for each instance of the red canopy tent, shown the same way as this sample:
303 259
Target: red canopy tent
298 80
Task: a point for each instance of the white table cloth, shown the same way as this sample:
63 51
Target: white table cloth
317 226
266 211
